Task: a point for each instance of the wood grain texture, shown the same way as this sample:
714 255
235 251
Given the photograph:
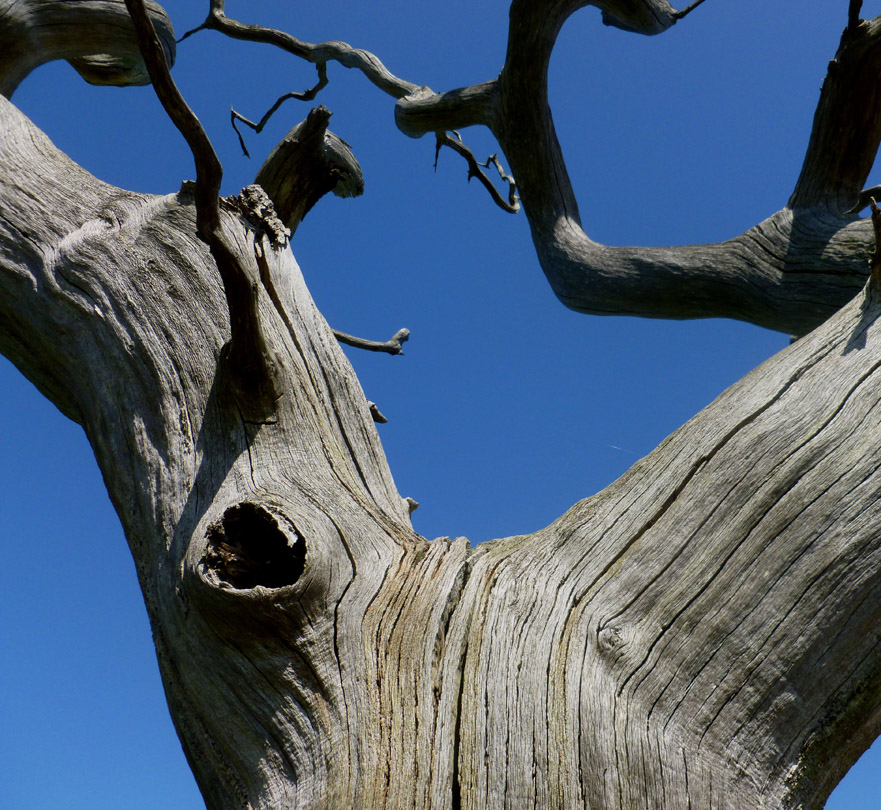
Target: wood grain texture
659 645
702 633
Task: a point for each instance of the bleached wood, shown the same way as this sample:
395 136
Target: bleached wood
701 634
95 36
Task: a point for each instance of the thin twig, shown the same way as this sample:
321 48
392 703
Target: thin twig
340 52
678 15
513 198
875 262
209 171
305 95
512 205
392 346
192 31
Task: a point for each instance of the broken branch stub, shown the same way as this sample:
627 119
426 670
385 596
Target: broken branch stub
309 162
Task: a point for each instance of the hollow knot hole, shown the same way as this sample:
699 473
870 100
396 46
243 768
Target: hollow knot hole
247 548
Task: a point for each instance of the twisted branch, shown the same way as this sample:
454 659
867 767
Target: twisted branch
512 204
305 95
788 273
96 38
319 53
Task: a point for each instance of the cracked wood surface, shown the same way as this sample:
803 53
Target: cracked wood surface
658 645
699 634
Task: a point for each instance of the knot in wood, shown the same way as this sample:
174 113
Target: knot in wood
609 640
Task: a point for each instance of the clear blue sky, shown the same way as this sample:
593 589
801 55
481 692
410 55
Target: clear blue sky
506 408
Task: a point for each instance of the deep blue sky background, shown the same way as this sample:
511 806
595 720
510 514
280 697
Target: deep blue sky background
506 409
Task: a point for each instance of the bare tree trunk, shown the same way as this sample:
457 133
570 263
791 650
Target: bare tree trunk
700 634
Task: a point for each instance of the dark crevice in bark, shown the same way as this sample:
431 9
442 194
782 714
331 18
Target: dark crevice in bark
456 787
247 548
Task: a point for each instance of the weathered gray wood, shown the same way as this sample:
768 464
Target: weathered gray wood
700 634
95 36
789 273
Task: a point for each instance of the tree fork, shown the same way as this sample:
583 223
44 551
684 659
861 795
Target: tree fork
655 647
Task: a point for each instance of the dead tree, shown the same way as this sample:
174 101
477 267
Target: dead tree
657 646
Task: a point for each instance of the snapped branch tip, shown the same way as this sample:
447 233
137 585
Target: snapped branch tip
678 15
853 14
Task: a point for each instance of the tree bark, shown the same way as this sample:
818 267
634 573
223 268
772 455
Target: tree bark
700 634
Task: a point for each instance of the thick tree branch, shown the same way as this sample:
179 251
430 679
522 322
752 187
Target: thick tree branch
671 625
853 15
96 37
788 273
657 646
847 123
425 111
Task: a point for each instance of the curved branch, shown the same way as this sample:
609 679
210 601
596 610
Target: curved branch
394 345
319 53
209 172
96 37
305 95
253 371
512 204
788 273
426 111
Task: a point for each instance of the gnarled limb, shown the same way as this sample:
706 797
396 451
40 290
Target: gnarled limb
319 53
95 36
788 273
656 647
